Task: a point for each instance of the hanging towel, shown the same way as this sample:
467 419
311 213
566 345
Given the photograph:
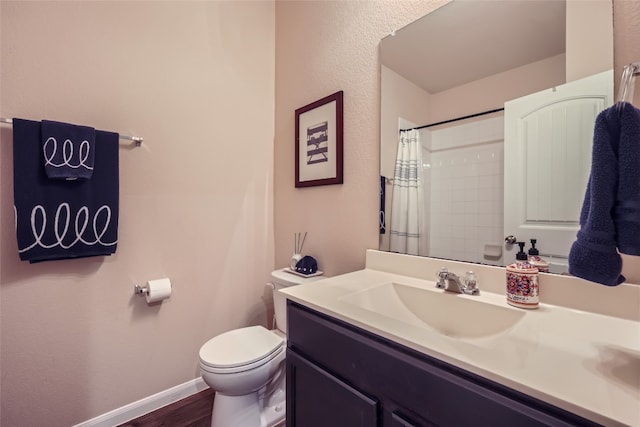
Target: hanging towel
68 150
610 216
58 219
627 209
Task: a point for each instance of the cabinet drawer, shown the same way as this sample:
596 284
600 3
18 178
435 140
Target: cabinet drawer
426 390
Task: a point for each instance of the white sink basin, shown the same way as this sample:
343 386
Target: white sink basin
453 315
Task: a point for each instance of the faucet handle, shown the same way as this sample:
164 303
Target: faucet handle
471 283
470 279
441 276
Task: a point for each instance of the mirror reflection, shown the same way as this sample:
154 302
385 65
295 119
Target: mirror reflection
497 101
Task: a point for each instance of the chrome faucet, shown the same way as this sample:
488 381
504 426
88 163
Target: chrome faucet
451 282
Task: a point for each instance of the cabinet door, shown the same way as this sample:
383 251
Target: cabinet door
317 399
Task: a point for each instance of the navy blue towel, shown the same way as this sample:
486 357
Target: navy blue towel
58 219
68 150
627 209
610 219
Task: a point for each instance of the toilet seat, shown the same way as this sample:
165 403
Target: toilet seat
240 350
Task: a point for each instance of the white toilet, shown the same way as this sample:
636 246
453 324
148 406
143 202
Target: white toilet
246 367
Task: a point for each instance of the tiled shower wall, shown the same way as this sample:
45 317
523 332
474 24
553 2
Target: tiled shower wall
426 212
466 203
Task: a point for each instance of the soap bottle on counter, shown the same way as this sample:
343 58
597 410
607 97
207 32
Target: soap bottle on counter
522 282
535 260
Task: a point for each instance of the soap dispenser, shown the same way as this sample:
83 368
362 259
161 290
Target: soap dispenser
535 260
522 282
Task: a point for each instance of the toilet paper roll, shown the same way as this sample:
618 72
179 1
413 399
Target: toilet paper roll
158 290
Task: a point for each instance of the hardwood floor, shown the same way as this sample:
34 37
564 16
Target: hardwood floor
194 411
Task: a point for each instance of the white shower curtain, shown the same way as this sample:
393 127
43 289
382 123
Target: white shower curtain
406 204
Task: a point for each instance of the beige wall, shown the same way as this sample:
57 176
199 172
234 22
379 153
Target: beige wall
197 81
589 38
400 98
492 92
323 47
626 33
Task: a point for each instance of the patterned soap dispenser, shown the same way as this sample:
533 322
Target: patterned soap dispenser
522 282
535 260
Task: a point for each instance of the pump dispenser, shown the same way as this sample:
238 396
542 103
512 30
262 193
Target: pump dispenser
521 256
522 282
535 260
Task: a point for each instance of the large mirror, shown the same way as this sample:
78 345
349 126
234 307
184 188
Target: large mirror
491 90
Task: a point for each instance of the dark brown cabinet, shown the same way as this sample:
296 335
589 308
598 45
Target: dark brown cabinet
340 375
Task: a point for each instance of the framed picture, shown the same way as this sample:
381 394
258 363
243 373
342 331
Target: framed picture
318 159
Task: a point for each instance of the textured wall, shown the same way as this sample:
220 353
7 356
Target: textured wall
589 38
196 199
626 33
323 47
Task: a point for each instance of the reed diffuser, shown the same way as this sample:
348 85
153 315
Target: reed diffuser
298 244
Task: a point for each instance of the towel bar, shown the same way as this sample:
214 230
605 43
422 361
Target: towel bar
137 139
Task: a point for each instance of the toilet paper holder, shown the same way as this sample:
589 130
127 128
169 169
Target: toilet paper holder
154 291
140 290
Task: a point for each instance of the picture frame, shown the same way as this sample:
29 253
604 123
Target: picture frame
319 143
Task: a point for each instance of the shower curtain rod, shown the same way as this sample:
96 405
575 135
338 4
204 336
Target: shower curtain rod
137 139
456 119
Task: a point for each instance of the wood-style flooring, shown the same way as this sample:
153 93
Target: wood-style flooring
193 411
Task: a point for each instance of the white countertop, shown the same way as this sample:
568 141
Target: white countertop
584 362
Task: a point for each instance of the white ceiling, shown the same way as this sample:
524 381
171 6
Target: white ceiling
466 40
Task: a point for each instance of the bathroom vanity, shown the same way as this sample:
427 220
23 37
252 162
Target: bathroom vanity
340 375
378 348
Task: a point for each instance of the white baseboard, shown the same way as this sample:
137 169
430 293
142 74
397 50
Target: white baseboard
146 405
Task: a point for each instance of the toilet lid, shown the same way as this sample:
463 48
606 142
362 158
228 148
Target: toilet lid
240 347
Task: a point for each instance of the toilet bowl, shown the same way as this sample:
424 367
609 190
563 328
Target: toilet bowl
246 367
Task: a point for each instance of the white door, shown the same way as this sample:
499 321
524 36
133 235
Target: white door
547 155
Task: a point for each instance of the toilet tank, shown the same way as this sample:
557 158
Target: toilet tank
283 279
